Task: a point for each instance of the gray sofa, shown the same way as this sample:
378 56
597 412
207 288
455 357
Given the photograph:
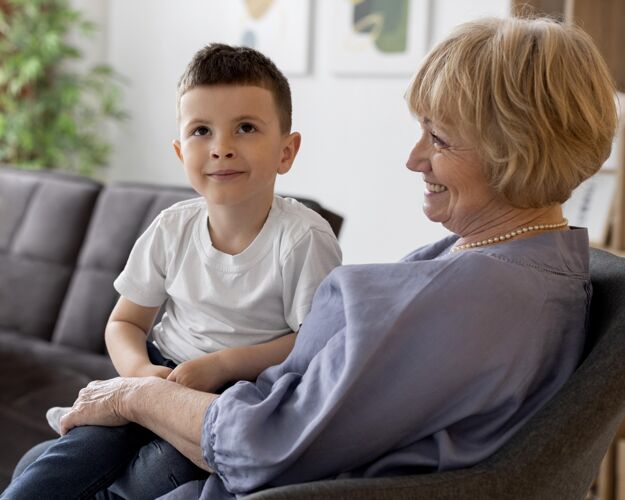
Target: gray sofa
63 240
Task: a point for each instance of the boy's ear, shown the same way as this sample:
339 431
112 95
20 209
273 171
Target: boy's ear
289 151
176 144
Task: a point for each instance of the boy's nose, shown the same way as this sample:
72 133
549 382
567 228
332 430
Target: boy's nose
218 154
221 149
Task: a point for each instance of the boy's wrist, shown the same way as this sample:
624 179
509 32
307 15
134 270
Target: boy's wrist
144 369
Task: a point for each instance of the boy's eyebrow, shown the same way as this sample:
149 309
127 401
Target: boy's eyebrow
248 117
197 120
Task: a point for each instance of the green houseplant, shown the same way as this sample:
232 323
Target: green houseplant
51 116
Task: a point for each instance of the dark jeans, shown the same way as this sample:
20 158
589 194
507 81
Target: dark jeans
104 462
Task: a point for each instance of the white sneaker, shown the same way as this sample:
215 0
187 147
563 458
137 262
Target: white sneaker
54 414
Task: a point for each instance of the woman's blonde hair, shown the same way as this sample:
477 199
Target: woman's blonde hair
533 96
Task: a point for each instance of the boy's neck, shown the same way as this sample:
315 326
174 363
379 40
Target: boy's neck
232 228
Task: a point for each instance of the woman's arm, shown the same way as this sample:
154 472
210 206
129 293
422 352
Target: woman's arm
172 411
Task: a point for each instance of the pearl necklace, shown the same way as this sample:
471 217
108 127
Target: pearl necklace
510 235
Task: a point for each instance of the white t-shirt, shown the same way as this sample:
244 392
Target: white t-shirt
214 300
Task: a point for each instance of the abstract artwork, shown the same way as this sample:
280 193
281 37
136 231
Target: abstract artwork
279 29
379 36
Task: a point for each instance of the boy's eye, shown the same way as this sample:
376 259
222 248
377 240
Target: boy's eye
246 128
201 131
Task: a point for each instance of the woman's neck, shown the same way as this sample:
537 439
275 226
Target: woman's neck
514 220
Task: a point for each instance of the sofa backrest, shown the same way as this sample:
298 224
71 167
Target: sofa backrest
43 221
122 213
63 241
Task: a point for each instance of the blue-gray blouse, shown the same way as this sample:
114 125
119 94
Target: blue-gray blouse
428 364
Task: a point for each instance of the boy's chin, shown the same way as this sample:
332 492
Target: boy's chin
233 201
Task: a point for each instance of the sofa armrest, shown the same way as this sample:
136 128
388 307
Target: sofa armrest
451 485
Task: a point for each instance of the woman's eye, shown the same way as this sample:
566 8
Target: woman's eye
437 141
247 128
201 131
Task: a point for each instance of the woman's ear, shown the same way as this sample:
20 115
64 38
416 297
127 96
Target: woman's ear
290 147
176 144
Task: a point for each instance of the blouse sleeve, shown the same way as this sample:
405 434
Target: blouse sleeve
374 368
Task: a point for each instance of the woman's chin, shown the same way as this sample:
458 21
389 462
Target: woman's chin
435 215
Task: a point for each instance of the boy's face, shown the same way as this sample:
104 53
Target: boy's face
231 144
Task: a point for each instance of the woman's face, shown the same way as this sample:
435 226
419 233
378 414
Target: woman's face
456 192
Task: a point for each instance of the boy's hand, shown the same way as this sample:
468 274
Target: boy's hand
150 370
206 373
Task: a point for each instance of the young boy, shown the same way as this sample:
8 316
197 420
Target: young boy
235 268
238 266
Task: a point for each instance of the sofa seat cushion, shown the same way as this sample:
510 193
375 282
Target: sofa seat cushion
15 348
35 375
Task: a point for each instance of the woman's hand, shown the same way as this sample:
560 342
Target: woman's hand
206 373
140 399
100 403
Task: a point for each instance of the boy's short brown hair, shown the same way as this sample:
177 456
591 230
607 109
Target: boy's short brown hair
220 64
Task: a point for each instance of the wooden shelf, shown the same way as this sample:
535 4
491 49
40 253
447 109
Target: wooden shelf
606 25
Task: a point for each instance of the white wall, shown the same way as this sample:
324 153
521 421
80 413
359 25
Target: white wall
356 132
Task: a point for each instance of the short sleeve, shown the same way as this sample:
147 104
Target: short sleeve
305 266
143 279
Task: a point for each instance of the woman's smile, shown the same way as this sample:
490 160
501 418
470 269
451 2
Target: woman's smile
434 188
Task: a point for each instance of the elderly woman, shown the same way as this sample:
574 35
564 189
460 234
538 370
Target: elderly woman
432 363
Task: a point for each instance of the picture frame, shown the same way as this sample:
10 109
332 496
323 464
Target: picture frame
280 29
379 37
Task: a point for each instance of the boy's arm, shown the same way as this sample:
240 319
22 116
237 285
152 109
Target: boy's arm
125 337
211 371
247 363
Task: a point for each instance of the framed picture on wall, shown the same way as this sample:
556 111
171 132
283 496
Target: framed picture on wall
280 29
379 37
591 205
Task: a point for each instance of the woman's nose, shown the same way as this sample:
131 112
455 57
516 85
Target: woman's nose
419 159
